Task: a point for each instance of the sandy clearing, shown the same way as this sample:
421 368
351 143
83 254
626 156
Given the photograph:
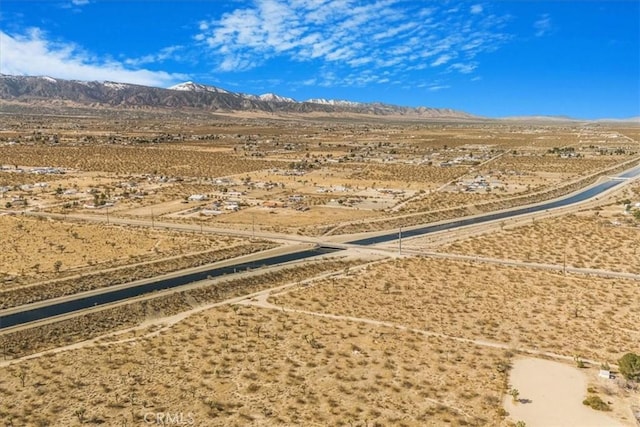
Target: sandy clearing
554 392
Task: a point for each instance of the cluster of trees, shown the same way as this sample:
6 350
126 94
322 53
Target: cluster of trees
564 151
629 366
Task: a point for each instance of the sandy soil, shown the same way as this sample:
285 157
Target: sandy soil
358 155
250 366
67 247
551 394
259 364
412 341
586 240
133 160
287 217
573 315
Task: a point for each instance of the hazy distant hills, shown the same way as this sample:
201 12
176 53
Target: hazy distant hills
540 118
191 95
562 119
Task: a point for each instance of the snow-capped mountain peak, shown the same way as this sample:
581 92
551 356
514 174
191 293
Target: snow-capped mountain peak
275 98
115 85
196 87
334 102
33 89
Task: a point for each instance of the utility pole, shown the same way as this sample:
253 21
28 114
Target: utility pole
400 241
253 226
152 225
107 214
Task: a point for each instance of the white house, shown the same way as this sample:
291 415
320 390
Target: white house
210 212
231 206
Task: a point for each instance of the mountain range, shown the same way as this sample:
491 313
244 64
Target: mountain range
190 95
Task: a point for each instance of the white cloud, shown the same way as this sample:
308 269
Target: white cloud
542 25
340 54
464 68
236 63
351 35
392 32
442 59
170 52
32 54
436 88
359 61
79 2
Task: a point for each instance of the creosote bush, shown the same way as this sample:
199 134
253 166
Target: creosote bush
596 403
629 365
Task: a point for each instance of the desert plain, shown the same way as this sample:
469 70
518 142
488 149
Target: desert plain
423 333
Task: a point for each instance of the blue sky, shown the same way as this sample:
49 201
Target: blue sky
493 58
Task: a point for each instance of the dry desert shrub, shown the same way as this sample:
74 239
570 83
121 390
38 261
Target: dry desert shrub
593 317
161 160
110 318
408 220
37 244
586 241
633 133
12 179
15 296
568 167
406 173
444 200
251 366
